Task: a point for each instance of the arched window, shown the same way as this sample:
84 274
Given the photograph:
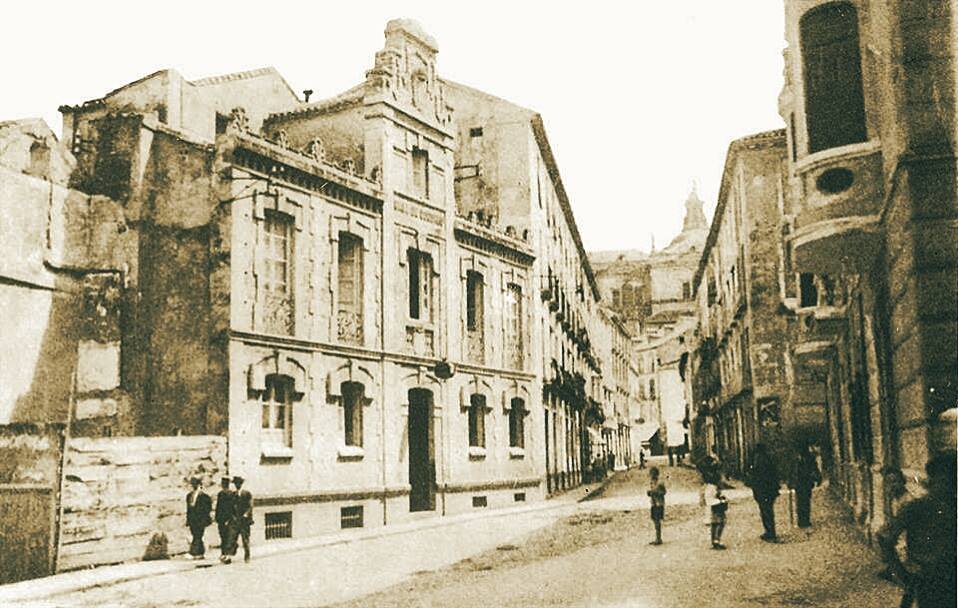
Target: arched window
834 101
477 421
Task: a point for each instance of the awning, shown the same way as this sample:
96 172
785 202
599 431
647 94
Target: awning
644 432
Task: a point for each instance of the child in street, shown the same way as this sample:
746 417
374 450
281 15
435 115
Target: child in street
656 495
715 504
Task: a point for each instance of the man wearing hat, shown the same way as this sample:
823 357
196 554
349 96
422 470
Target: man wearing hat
242 518
225 509
198 507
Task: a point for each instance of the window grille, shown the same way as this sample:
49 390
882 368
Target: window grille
351 517
479 501
279 525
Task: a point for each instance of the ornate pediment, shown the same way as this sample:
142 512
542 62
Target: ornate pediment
405 70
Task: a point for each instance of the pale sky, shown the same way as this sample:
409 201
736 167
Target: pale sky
639 98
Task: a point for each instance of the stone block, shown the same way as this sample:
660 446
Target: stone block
98 366
95 408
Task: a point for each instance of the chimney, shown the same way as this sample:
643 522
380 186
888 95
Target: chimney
306 95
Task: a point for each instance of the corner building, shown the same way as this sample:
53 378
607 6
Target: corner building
869 102
317 282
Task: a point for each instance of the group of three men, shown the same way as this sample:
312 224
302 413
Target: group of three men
234 516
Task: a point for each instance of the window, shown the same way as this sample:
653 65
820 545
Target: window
351 517
616 298
517 428
686 291
477 421
276 279
352 393
279 525
513 326
477 132
712 291
420 173
519 497
808 291
277 244
350 284
479 501
420 285
278 411
834 102
474 301
652 388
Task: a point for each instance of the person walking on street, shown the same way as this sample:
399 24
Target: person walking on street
198 507
242 519
929 527
656 494
641 458
716 505
225 508
805 477
764 480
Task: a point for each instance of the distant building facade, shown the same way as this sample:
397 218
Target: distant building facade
652 294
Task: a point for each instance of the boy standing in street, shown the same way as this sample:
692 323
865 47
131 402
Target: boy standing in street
656 495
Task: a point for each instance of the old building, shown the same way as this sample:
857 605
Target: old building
739 367
381 299
66 257
652 294
870 108
506 173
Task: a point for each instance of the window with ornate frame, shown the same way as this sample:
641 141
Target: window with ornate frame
353 401
349 304
477 421
277 411
513 326
517 428
420 285
276 279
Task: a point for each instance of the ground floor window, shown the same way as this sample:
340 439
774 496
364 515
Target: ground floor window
517 424
477 421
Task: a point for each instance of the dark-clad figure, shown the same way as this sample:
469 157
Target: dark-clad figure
805 477
198 508
929 527
242 518
764 480
225 509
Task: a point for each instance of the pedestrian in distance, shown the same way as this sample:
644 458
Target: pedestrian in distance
805 476
656 494
764 480
641 458
242 519
929 526
225 510
198 507
716 505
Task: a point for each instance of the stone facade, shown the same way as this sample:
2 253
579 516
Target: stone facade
739 369
875 207
118 492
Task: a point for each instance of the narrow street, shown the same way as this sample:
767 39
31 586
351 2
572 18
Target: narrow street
594 553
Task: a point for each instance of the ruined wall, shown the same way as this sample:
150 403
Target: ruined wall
117 492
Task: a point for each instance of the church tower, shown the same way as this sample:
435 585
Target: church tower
694 213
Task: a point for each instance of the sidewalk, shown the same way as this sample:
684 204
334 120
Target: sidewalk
80 580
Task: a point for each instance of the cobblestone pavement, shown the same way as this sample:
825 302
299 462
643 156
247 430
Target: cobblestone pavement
592 554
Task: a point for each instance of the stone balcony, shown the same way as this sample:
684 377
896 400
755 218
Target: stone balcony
837 226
